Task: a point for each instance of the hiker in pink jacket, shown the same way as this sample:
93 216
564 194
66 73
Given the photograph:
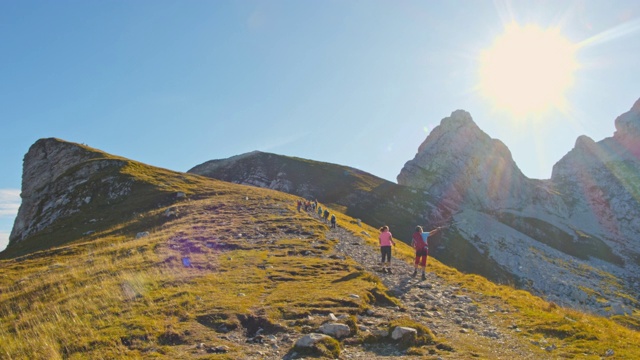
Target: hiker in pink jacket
386 240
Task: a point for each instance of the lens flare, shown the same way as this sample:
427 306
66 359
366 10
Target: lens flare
527 70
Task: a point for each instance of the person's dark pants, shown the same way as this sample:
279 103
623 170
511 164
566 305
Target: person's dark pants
385 251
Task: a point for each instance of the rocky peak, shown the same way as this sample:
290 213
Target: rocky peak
628 130
49 158
52 170
588 155
628 124
460 160
583 157
599 179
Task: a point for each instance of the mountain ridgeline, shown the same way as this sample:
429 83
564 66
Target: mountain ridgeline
113 258
572 239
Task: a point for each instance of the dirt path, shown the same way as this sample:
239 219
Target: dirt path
452 313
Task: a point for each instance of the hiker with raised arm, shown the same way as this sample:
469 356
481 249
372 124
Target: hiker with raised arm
386 240
421 245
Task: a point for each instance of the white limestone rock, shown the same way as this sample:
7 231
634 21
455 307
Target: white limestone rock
336 330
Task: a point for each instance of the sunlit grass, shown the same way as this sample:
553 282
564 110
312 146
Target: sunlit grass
252 255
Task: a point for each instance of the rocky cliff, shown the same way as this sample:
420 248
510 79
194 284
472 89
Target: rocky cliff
571 238
600 181
52 171
461 163
73 192
460 160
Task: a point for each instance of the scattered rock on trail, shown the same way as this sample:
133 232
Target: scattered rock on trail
335 330
310 340
448 311
403 333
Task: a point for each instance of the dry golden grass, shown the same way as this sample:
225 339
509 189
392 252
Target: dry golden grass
254 260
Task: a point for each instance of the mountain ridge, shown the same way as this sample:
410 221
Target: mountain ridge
472 181
182 266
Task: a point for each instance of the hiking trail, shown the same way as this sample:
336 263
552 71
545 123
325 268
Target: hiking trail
450 312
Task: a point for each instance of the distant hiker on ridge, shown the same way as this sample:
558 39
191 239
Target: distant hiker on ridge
386 240
333 221
326 215
320 211
419 242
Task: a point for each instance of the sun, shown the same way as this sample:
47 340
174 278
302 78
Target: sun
528 70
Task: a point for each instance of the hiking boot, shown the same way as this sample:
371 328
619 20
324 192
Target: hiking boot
415 272
424 277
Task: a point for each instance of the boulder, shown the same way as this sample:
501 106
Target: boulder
336 330
310 340
404 333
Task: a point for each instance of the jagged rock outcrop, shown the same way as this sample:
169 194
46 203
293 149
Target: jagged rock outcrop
599 180
257 169
51 175
462 165
556 237
73 192
460 160
628 130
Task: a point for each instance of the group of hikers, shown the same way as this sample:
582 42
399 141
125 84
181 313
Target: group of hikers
419 243
418 240
312 206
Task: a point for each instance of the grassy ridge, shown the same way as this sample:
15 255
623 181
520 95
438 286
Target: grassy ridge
255 262
120 297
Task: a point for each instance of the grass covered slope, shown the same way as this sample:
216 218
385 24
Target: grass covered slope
101 194
227 273
255 263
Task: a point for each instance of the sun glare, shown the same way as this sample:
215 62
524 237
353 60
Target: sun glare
528 70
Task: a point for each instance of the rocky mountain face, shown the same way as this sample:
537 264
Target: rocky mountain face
77 191
53 170
572 238
460 160
600 181
462 164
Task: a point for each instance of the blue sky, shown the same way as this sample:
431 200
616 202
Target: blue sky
357 83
